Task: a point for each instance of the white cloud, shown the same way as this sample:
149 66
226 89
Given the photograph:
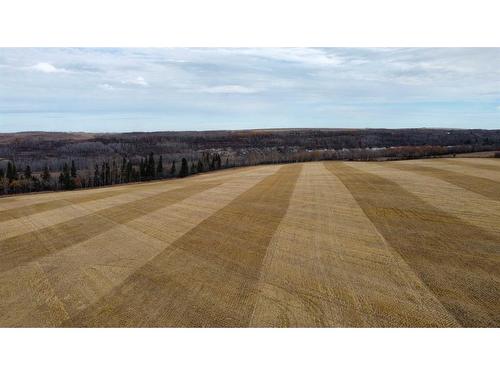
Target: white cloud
45 67
139 81
278 81
307 56
229 89
106 86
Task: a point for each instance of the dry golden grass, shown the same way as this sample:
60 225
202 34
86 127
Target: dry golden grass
404 244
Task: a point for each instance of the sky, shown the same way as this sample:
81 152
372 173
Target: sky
123 89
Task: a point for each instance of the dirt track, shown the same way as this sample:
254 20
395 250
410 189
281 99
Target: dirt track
332 244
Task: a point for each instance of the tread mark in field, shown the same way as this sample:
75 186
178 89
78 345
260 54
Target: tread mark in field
486 167
24 248
20 212
479 185
209 276
458 261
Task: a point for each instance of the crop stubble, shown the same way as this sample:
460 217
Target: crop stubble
414 243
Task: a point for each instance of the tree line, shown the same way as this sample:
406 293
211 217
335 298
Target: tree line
54 149
69 177
151 167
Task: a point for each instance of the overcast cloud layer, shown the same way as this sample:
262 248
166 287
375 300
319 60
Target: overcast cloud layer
196 89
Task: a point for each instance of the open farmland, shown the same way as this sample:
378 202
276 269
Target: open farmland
322 244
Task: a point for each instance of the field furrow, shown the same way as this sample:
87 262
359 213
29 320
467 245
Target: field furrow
473 208
474 168
458 261
474 164
209 276
121 195
41 220
85 272
29 283
23 248
80 274
19 212
328 266
324 244
479 185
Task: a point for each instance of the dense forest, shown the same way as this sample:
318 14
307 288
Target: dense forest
36 161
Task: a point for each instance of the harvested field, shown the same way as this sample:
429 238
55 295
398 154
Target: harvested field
324 244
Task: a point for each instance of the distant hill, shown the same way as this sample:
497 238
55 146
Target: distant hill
240 146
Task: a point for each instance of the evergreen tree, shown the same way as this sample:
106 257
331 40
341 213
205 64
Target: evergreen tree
37 186
46 174
27 172
206 158
66 177
108 174
142 169
103 174
114 173
123 171
129 171
73 169
14 171
135 175
61 179
172 170
96 175
193 168
159 168
151 166
10 172
199 168
2 173
184 168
